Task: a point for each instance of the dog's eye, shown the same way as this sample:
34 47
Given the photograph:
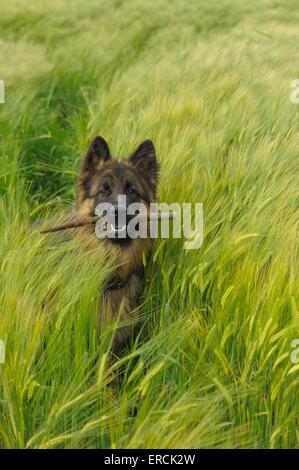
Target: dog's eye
105 190
131 190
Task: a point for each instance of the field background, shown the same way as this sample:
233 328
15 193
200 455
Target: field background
209 82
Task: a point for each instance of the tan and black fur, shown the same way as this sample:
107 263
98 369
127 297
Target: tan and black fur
103 179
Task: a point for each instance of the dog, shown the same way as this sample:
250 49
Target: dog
102 179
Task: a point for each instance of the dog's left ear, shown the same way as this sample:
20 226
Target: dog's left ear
97 154
144 158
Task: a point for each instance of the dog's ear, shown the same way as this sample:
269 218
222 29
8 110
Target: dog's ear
97 153
144 159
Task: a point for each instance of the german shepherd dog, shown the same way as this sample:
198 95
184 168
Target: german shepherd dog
101 180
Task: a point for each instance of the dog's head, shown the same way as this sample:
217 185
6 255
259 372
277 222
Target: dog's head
103 180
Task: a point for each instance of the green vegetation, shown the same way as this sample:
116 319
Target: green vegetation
209 83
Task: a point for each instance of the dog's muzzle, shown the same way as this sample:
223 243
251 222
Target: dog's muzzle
118 219
115 224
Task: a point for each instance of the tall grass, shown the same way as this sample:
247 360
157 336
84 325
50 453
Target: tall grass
209 82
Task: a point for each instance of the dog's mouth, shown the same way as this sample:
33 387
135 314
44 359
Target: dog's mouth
114 232
118 234
116 229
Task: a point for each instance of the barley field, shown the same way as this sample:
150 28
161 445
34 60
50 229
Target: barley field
209 81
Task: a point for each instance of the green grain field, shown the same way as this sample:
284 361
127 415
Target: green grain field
209 81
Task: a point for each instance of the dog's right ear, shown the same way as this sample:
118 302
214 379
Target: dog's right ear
97 154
